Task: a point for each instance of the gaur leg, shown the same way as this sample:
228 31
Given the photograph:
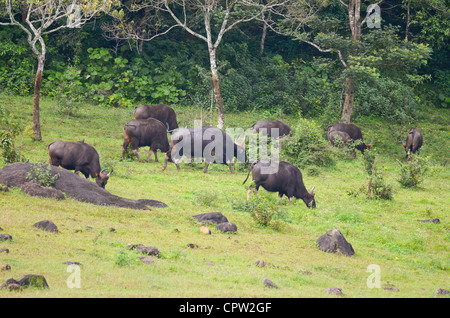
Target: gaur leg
231 168
206 167
166 158
124 148
135 151
150 154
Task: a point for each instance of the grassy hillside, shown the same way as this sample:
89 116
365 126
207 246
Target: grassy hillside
413 256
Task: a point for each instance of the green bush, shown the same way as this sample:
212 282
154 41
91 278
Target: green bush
376 187
42 173
9 129
307 146
413 172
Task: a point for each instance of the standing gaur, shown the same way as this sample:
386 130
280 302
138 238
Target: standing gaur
353 131
78 156
145 132
210 143
413 142
282 177
267 126
161 112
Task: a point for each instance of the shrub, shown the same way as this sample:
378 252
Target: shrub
413 172
9 129
42 173
307 146
376 187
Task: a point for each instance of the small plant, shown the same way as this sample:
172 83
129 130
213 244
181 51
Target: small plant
413 172
262 208
124 258
9 129
376 187
42 174
306 146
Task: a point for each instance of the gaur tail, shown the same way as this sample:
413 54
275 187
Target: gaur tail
247 176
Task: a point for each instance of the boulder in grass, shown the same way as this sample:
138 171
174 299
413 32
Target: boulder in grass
5 237
34 189
149 250
46 225
28 280
227 227
213 217
333 291
334 242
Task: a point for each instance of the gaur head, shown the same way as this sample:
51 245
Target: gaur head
102 178
309 200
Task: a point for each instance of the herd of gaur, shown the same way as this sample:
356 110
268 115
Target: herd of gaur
153 123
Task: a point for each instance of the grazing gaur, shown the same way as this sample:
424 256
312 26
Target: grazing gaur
145 132
267 125
162 112
353 131
282 177
78 156
345 138
413 141
210 143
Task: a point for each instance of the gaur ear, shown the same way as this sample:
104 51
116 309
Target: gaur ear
311 192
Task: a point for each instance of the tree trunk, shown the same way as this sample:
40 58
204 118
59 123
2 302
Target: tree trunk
37 92
354 8
216 87
348 103
264 34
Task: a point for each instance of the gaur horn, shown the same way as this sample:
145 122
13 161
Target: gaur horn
311 192
110 172
403 142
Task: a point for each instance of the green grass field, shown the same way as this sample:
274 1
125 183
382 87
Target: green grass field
412 256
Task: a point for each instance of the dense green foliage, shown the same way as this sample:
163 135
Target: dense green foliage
394 77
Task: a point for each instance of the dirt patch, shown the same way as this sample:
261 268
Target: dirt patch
74 186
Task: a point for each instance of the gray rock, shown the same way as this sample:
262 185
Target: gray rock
75 187
269 283
334 242
333 291
149 250
441 291
213 217
27 280
46 225
433 220
33 280
147 260
35 189
227 227
5 237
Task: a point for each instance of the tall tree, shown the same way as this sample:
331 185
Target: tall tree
207 20
365 56
41 18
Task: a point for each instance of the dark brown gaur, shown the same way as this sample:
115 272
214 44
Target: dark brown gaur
198 138
161 112
78 156
354 132
266 126
413 143
145 132
282 177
